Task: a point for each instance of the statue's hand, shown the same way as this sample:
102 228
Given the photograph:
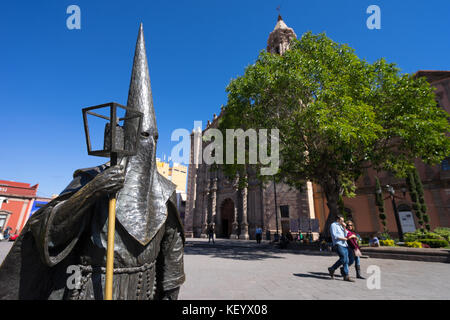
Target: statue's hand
71 211
109 181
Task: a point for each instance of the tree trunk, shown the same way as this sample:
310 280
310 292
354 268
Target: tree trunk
332 192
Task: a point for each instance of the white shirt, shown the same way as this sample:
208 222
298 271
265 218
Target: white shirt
338 231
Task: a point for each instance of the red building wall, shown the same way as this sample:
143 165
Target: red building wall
19 200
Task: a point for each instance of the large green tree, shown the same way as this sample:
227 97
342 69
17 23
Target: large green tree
337 115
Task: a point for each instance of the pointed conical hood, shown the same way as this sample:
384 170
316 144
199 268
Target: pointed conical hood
140 93
141 203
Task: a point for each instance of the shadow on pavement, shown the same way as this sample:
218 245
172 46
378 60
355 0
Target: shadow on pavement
317 275
231 253
246 251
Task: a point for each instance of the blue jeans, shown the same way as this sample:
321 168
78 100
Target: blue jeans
346 258
355 258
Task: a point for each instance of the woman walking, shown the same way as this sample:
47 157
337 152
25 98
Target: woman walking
354 248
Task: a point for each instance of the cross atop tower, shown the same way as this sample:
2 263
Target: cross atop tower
279 13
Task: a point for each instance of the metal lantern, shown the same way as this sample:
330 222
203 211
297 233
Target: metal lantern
114 144
390 189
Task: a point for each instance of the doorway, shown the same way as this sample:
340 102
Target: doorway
227 217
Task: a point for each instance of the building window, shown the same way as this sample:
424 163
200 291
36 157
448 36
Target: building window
284 211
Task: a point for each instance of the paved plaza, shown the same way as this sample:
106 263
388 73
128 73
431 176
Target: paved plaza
247 272
4 249
242 270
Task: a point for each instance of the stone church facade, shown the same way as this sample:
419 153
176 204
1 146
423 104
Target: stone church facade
236 212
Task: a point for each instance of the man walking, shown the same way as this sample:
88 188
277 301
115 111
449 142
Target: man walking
339 237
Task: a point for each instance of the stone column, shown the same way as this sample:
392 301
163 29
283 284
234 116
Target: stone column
244 224
205 213
261 199
235 223
214 204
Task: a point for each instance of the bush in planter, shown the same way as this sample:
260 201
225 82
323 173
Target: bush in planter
415 244
413 236
432 235
435 243
387 243
443 232
418 235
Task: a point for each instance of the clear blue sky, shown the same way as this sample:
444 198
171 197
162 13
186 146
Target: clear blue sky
49 73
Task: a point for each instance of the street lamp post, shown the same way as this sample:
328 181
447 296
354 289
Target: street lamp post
391 191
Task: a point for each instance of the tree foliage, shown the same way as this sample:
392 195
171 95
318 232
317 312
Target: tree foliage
337 115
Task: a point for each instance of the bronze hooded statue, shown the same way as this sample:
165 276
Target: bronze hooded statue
68 237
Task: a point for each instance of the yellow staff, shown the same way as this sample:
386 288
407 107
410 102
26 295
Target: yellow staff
110 249
110 246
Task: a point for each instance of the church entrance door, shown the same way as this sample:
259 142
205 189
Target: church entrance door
227 217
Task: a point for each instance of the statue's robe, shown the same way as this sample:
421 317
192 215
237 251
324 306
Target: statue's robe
43 262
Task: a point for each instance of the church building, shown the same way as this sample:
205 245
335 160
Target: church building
237 212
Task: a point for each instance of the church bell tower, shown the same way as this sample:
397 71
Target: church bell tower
280 37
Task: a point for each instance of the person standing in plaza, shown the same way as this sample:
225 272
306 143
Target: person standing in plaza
339 237
300 236
353 248
310 236
258 235
289 236
284 242
211 233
